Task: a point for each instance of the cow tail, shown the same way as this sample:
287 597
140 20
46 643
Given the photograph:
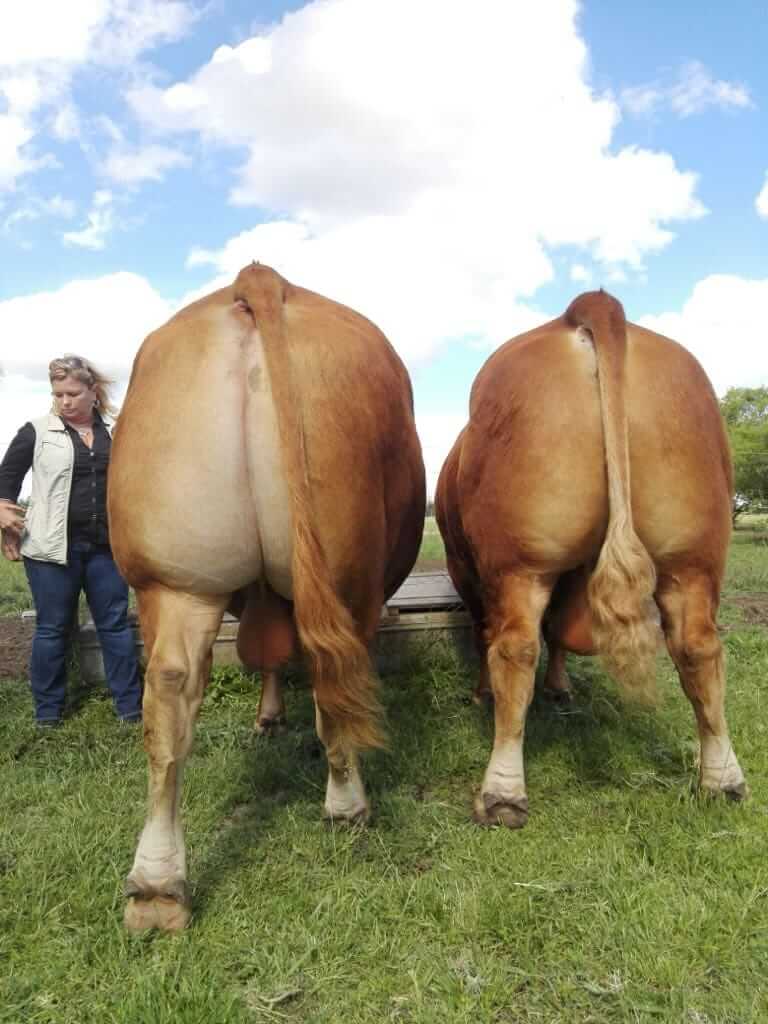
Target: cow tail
621 587
344 686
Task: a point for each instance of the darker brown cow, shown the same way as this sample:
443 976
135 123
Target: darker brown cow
592 482
266 459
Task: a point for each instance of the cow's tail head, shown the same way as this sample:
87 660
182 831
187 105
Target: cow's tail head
344 686
622 585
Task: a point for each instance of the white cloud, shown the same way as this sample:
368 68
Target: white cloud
104 319
421 282
41 31
761 202
437 433
110 128
94 235
100 223
580 273
37 207
42 47
23 93
641 100
454 184
14 159
697 90
21 399
150 163
57 206
66 123
722 323
135 26
693 92
102 31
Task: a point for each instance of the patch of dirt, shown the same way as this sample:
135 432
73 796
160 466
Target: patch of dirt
15 647
753 607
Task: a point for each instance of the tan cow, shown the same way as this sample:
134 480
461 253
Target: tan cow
266 458
592 482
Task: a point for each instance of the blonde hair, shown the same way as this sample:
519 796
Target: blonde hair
86 373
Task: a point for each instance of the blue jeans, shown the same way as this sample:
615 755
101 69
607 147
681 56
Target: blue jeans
56 590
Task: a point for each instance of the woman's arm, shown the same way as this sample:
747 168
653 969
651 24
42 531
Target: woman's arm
15 465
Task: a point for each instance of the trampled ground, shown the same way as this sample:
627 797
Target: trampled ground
15 644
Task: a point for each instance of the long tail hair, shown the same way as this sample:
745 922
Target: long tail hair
621 587
344 686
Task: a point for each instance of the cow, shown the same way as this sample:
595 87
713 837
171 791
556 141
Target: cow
266 459
590 493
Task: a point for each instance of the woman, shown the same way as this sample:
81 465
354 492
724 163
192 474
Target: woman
64 537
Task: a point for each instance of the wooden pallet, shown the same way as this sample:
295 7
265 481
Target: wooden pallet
427 600
426 605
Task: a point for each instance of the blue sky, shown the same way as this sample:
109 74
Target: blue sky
456 174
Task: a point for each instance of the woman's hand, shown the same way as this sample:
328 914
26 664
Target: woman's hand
11 526
10 545
11 516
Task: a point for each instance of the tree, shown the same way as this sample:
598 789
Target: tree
745 411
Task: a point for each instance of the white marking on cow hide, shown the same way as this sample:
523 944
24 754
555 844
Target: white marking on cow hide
719 768
505 774
161 854
345 795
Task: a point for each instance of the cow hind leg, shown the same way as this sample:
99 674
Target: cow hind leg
347 711
556 685
482 695
688 606
181 631
270 718
345 798
513 653
266 639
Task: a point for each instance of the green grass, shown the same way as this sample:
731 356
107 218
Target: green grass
14 591
626 898
432 550
748 560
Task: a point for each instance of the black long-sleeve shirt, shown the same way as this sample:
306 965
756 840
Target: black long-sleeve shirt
87 517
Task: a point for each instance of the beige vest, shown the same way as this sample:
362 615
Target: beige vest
45 524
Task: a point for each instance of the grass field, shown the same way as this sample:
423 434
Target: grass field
432 551
626 898
14 592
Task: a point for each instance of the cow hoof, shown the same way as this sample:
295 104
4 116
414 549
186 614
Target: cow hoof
352 815
168 910
270 726
735 793
491 810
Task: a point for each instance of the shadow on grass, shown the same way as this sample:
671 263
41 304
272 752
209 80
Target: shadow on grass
290 770
267 775
599 738
604 736
439 742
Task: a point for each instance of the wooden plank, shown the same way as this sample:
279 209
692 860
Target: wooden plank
421 594
423 591
426 605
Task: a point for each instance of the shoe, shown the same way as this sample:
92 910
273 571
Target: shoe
131 719
48 723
